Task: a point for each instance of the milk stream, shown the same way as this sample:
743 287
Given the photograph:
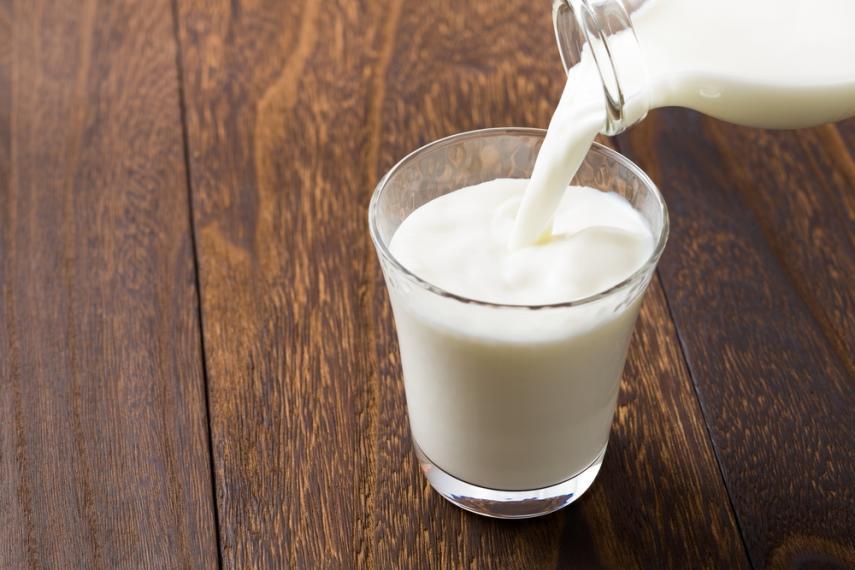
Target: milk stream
578 119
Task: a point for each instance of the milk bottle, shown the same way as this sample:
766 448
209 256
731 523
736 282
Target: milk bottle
763 63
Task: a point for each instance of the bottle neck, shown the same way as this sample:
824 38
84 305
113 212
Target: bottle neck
604 28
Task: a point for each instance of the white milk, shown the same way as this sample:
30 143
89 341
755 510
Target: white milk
580 116
517 399
514 398
763 63
458 242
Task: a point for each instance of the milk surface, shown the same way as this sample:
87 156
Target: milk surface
458 242
504 397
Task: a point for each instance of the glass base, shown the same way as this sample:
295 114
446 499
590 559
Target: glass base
508 504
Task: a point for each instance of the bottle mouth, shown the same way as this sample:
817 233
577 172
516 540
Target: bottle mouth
585 26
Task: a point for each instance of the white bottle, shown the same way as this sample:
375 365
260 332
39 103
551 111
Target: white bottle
763 63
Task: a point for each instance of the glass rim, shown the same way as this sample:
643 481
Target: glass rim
386 254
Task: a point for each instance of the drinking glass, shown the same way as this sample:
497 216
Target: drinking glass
510 406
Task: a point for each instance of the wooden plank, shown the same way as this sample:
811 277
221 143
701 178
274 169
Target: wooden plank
800 187
103 446
751 281
277 96
294 111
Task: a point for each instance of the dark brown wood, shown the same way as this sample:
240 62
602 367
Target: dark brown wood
294 110
277 96
103 447
800 187
759 281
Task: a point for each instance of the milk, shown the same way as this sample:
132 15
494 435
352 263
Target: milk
578 119
513 398
762 63
458 242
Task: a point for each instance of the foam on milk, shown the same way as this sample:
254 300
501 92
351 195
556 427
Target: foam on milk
458 242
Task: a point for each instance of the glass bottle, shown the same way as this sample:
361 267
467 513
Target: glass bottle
763 63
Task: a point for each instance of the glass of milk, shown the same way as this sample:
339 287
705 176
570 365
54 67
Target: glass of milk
510 406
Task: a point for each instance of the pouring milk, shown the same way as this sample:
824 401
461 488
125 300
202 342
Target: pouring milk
511 401
764 63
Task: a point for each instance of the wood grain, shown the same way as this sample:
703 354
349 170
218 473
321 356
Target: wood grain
103 445
800 188
294 110
277 100
759 282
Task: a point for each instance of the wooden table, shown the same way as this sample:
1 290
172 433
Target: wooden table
198 366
